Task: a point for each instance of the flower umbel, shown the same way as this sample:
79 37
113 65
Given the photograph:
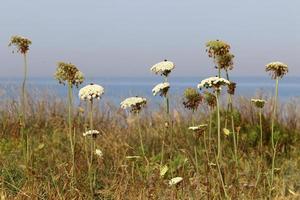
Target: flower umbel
277 69
67 72
163 68
93 133
225 61
161 89
21 43
90 92
199 128
213 82
134 103
217 48
210 99
192 99
259 103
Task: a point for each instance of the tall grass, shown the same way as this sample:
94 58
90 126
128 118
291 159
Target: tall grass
118 176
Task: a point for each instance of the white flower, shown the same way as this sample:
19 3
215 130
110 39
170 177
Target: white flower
161 88
91 91
99 153
163 68
198 128
132 102
175 181
213 82
91 132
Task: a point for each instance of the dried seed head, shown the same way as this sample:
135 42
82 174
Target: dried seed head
210 99
192 99
225 61
21 43
231 88
216 48
67 72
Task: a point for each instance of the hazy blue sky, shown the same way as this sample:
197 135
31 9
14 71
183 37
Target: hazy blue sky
125 37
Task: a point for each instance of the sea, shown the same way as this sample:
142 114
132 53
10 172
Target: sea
119 88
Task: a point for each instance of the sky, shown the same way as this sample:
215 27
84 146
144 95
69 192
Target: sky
106 38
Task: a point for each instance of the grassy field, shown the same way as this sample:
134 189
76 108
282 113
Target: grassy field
124 171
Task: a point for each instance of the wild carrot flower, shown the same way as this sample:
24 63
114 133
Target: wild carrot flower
92 133
134 103
21 43
225 61
277 69
198 128
210 99
90 92
175 181
213 82
161 89
259 103
163 68
192 99
68 73
217 48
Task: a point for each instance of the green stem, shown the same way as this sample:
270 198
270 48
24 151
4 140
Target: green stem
274 112
70 115
261 131
272 132
92 148
24 135
219 125
140 135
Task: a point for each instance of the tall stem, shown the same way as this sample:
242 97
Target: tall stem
274 112
272 132
219 125
23 112
92 148
261 131
70 115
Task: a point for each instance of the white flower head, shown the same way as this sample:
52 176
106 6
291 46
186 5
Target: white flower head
90 92
163 68
213 82
99 153
175 181
93 133
161 88
277 69
198 128
134 103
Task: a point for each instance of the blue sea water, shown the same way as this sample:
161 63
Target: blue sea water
118 88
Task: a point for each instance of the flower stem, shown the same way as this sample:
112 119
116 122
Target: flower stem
261 131
70 105
92 148
219 125
272 132
24 135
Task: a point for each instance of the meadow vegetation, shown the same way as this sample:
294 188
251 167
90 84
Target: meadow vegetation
211 145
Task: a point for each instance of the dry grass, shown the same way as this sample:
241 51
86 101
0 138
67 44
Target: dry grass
120 177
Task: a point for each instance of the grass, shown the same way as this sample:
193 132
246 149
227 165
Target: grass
185 153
